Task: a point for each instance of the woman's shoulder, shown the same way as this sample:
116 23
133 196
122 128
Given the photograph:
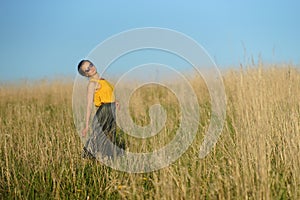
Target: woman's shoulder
96 84
92 84
97 80
104 81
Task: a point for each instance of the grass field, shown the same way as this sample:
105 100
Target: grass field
256 157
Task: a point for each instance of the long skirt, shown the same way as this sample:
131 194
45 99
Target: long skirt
102 142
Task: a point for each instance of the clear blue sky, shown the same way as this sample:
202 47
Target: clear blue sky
41 39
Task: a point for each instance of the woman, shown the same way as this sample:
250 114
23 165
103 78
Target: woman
102 141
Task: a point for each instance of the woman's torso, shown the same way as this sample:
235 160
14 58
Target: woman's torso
104 92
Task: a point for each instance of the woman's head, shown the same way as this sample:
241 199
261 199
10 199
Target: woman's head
86 68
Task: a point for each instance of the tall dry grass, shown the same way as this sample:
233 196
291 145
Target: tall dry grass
256 157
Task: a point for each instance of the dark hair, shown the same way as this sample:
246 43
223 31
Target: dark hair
81 72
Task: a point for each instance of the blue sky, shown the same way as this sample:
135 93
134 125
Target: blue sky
44 39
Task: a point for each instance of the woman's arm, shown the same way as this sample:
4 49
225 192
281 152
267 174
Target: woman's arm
90 97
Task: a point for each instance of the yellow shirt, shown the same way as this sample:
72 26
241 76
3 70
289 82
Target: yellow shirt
105 94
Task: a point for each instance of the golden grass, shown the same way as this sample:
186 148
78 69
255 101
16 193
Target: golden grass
256 157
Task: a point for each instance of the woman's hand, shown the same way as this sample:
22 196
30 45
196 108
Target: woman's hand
118 105
84 131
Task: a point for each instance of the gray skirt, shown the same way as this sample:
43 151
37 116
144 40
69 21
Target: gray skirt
103 142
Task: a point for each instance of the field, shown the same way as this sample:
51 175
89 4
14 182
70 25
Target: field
256 157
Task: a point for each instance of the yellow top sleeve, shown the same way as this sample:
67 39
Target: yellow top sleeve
105 94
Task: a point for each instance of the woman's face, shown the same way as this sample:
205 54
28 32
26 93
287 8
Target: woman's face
89 69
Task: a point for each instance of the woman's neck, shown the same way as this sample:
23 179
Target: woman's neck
95 76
